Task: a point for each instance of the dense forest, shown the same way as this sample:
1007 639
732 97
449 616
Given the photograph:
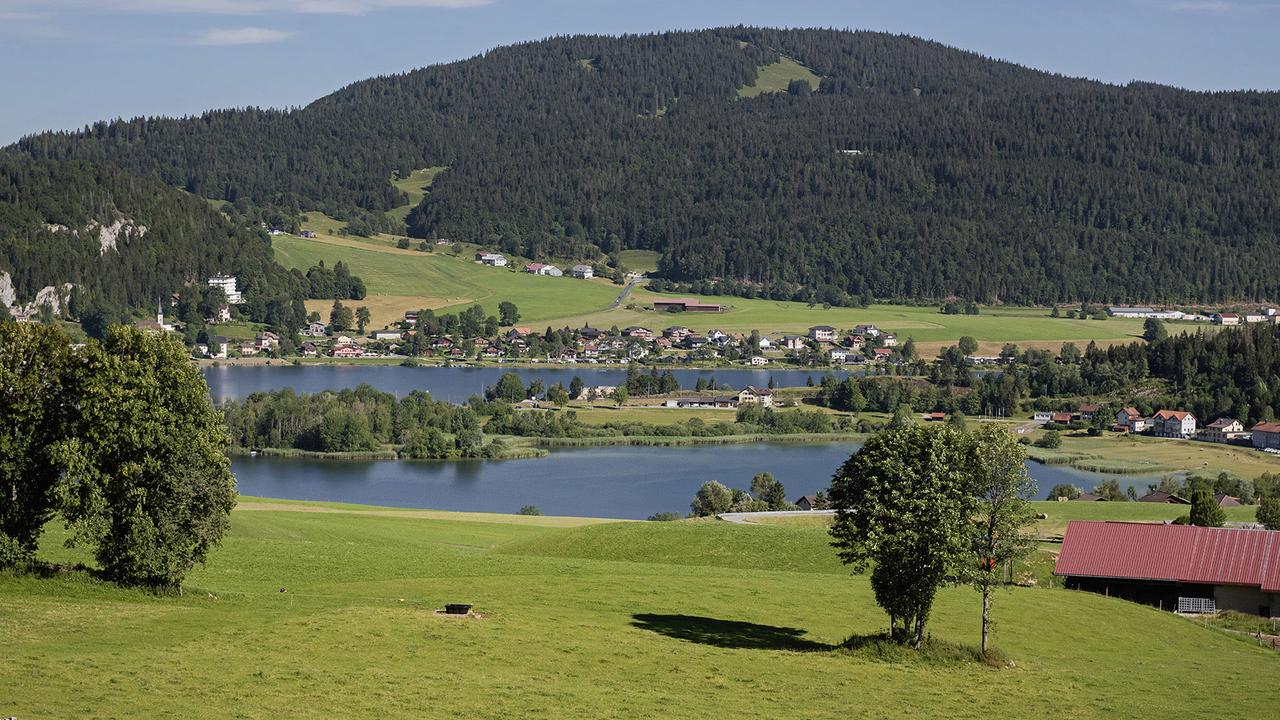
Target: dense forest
971 177
127 241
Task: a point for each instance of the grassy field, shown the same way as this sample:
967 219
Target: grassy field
415 185
1117 453
403 279
1028 327
635 620
775 77
399 280
641 261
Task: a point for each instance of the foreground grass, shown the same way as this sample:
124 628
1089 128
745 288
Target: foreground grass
631 620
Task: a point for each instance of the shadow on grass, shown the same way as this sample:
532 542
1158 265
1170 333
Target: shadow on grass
728 633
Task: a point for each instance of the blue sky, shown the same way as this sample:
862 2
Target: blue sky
69 62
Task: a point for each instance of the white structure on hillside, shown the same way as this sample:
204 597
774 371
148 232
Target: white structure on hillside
228 285
493 259
1144 312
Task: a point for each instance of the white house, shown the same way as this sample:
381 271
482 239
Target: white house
757 360
582 272
228 285
1174 424
387 335
838 355
889 340
543 269
315 329
1226 319
822 333
493 259
1144 312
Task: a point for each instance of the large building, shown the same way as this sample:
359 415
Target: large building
1266 435
228 285
685 305
1174 424
1174 567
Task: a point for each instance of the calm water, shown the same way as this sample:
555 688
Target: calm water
457 384
619 482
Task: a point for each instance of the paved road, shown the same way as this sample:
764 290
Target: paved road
625 292
748 518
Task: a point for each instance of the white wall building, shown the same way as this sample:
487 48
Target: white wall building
228 285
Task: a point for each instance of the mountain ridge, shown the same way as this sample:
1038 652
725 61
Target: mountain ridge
975 177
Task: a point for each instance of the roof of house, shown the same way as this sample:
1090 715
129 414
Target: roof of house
1061 417
1131 412
1177 553
1267 427
1089 407
823 327
757 391
1222 422
581 268
1228 315
1089 497
1173 414
1225 500
812 499
1160 496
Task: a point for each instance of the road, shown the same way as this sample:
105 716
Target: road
625 292
746 518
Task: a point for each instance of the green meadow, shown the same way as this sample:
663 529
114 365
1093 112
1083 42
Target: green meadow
575 619
403 279
775 77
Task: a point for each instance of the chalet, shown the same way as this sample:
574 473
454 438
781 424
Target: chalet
838 355
867 330
1130 420
1266 435
807 502
752 395
766 344
586 332
347 351
1061 418
492 351
1160 496
411 317
855 341
1174 424
543 269
1226 319
793 342
582 272
1224 430
855 359
758 360
664 343
315 329
676 332
309 349
693 342
881 354
491 259
822 333
684 305
567 355
247 349
935 416
1042 416
640 333
1174 567
1088 411
889 340
266 340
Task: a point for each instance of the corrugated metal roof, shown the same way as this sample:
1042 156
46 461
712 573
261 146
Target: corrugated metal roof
1177 553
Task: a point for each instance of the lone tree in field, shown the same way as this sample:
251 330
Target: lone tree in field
1003 489
712 498
36 414
1153 330
147 480
904 505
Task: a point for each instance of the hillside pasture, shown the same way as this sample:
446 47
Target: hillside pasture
775 77
309 609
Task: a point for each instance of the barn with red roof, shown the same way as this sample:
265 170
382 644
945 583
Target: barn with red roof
1174 566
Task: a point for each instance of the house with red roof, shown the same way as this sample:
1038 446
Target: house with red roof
1174 567
1130 420
1174 424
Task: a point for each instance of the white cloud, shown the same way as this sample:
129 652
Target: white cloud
226 7
1221 7
243 36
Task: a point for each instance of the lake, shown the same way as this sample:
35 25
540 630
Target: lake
456 384
613 482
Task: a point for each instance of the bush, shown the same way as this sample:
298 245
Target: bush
1070 492
530 510
1052 439
664 517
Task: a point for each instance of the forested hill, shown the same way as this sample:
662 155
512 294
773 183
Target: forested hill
971 177
125 241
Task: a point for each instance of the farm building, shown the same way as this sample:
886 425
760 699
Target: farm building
1195 569
1266 435
684 305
